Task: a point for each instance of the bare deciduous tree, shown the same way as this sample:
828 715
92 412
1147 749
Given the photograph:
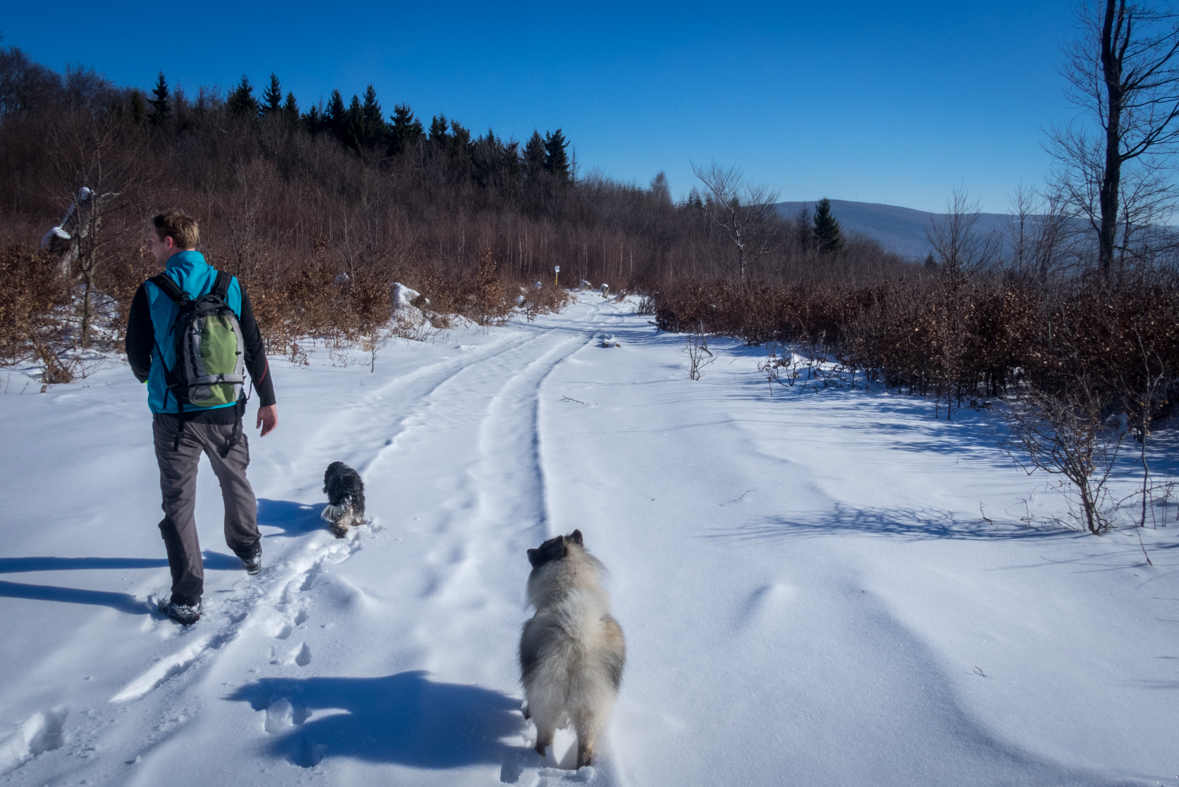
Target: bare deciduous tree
1124 71
93 150
960 250
746 211
1039 235
1062 434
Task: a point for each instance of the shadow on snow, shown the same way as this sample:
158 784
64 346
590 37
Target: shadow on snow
215 561
123 602
403 718
293 519
916 524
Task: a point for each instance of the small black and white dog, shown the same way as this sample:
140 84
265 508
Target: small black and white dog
345 493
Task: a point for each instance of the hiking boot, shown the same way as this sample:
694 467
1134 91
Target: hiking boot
253 563
184 614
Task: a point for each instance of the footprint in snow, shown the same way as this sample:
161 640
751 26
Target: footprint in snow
303 656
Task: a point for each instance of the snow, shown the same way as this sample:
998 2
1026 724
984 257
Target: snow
404 312
808 587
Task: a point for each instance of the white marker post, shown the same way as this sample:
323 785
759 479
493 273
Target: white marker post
557 275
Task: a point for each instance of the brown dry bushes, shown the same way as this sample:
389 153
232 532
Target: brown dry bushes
29 300
961 338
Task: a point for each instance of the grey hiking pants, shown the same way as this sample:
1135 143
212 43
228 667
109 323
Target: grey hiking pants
178 473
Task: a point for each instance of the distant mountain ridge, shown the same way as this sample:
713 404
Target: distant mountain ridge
900 230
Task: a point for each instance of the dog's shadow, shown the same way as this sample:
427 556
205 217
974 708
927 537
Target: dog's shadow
404 719
293 519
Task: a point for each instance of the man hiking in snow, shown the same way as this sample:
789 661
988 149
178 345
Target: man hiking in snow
186 335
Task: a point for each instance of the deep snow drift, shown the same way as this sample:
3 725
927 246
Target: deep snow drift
825 587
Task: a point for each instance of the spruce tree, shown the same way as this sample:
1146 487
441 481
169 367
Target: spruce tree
826 228
534 156
556 159
335 117
374 121
272 98
241 101
803 229
460 151
138 108
160 107
313 120
406 130
438 130
290 111
354 131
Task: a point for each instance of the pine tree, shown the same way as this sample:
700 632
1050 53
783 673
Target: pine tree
161 109
556 160
272 98
826 228
241 101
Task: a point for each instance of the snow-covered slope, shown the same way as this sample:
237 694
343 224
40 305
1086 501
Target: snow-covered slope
809 590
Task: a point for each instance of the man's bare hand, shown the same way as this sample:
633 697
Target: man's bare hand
267 418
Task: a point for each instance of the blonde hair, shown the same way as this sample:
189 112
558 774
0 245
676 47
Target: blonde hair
181 228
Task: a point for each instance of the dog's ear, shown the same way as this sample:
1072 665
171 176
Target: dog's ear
553 549
575 537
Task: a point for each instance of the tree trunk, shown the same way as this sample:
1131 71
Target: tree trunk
1111 180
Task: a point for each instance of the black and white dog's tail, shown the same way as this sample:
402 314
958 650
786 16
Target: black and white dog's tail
345 491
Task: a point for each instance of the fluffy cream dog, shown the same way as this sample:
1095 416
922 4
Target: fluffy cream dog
571 651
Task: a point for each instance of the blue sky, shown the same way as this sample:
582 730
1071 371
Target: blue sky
898 103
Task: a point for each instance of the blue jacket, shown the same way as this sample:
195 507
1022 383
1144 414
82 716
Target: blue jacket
195 276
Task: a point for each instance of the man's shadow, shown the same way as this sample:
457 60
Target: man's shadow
292 518
403 718
123 602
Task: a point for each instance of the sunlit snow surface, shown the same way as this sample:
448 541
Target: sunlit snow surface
809 590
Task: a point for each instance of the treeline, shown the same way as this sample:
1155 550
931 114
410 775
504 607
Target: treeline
339 200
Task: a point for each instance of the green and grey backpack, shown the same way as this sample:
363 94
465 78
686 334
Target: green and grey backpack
210 365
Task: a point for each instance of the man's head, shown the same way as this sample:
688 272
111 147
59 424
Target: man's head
171 232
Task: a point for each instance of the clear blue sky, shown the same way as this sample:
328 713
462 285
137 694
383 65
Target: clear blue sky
890 102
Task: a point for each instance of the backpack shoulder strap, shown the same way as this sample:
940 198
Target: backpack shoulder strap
170 288
221 284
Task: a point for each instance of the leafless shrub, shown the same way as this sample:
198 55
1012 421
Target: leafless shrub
545 299
646 304
1063 434
699 355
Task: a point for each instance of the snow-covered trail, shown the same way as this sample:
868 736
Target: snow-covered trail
808 588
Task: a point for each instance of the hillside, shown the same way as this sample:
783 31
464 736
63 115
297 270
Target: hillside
900 230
